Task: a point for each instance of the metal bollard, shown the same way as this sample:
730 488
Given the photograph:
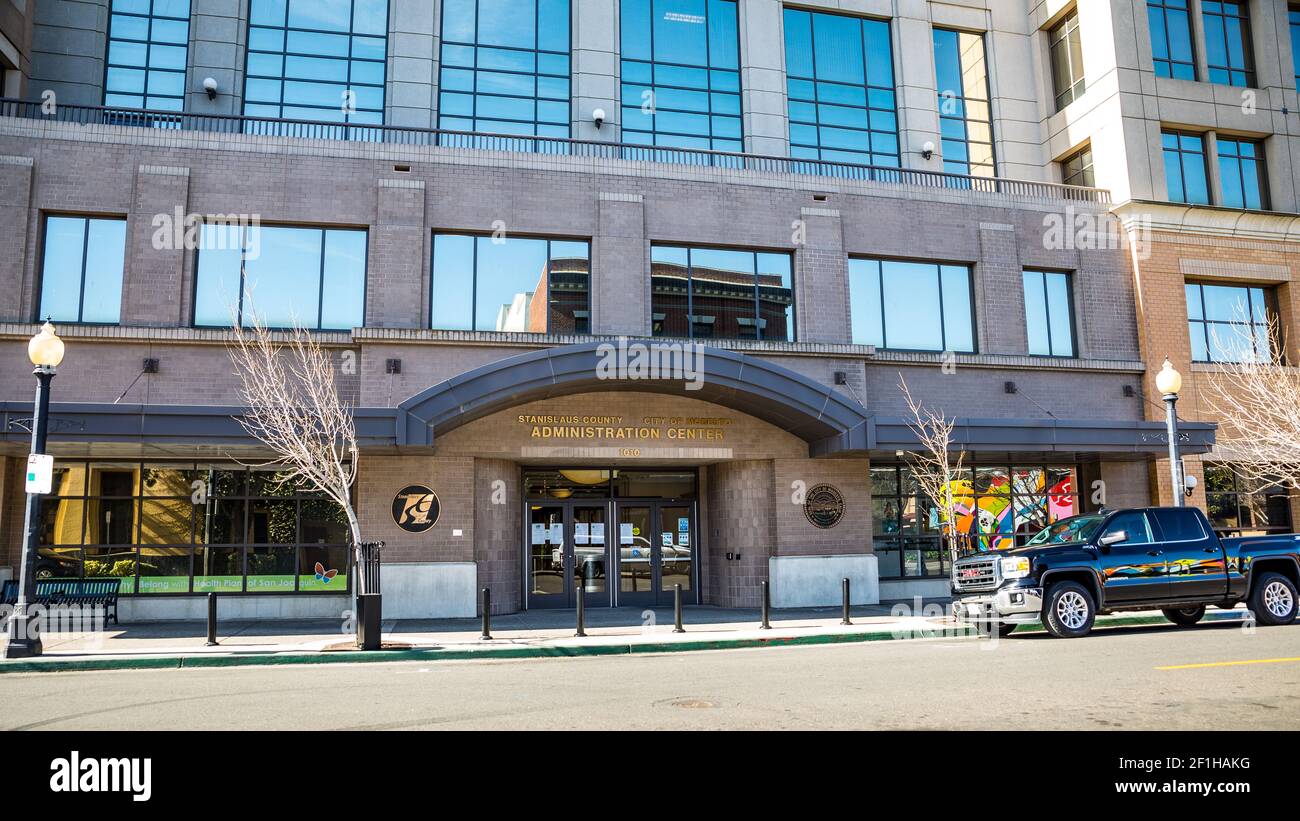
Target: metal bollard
844 585
767 607
677 609
487 615
582 611
212 621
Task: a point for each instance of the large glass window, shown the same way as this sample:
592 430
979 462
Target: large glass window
1185 169
916 306
681 73
1241 172
718 293
511 284
148 44
998 506
1230 323
1065 44
965 119
191 528
317 60
1171 38
313 278
1227 43
1241 506
81 269
1049 316
1294 16
1076 169
505 67
840 82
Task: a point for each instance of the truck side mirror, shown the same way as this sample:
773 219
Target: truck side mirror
1114 537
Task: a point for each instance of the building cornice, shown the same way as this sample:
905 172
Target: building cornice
1150 216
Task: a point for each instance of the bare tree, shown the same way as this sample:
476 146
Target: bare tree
293 407
1256 401
935 467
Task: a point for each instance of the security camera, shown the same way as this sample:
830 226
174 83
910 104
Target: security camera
598 117
927 150
210 86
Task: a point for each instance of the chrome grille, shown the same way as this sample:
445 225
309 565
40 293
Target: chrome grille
975 574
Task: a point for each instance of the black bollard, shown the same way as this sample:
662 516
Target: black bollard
582 629
767 607
844 585
677 609
212 621
487 615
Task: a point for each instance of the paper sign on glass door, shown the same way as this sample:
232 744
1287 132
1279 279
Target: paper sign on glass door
579 532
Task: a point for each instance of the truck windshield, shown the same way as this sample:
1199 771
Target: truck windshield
1073 529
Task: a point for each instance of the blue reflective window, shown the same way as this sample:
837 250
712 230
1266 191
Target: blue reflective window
681 73
148 41
1049 314
1185 169
1294 16
1241 170
914 306
511 284
1231 323
721 293
317 60
81 269
965 118
1227 43
313 278
1171 38
840 85
505 67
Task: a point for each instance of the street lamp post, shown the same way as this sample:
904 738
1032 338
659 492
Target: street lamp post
46 352
1169 382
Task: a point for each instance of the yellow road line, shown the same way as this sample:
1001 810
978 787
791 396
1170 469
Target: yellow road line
1228 663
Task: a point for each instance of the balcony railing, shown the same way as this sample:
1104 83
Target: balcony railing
403 135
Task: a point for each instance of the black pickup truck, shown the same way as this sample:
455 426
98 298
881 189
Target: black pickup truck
1155 558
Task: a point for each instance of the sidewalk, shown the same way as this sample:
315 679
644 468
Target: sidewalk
529 634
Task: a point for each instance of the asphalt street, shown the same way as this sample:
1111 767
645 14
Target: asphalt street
1207 677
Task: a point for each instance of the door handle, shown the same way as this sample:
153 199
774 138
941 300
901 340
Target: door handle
1155 553
1211 550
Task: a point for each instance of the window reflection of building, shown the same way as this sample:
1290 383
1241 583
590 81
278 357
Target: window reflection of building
511 284
1240 506
750 298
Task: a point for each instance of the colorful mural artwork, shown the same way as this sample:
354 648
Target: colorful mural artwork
1008 504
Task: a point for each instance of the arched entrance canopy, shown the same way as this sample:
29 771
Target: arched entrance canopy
826 419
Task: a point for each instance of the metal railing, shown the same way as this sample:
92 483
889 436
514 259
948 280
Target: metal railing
556 146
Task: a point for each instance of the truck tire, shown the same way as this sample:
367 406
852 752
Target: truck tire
1185 617
1069 610
1273 599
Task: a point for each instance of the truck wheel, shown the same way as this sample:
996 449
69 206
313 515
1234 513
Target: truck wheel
1273 600
1069 610
1185 617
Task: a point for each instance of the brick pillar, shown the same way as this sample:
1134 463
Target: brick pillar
155 290
497 547
821 278
621 293
999 281
16 182
398 257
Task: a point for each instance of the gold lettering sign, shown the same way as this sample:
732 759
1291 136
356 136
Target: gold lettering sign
617 428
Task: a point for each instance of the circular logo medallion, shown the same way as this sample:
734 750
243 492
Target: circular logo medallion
824 506
416 508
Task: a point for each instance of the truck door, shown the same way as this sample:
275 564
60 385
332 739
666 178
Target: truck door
1197 566
1134 569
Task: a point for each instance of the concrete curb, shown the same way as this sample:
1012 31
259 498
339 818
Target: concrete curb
489 652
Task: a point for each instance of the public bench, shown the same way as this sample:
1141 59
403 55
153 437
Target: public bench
101 592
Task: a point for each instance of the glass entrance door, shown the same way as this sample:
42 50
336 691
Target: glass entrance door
568 545
656 550
549 563
590 552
